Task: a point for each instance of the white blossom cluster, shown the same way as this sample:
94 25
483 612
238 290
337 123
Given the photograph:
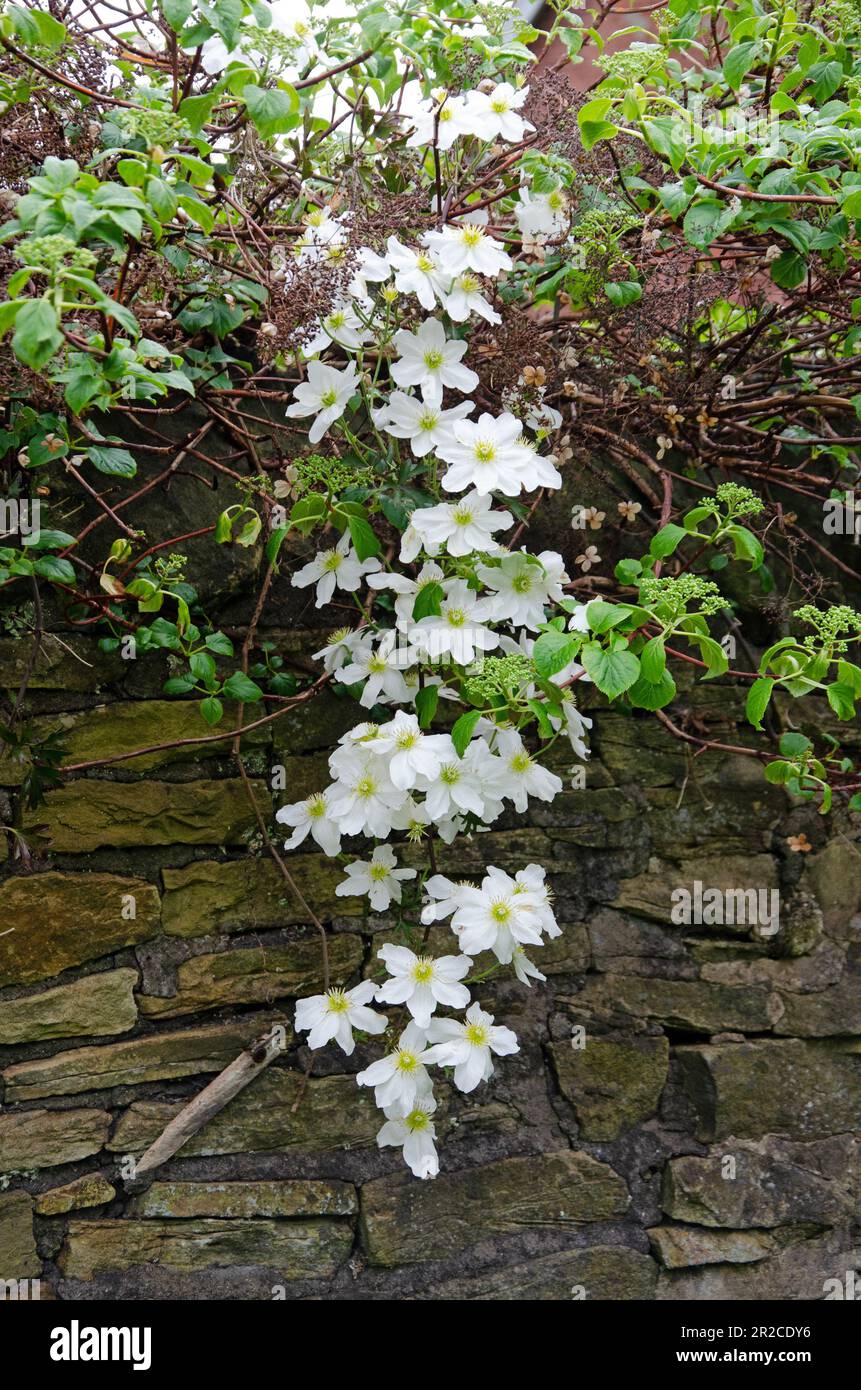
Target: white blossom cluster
408 310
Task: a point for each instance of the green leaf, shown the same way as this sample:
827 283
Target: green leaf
428 601
849 675
666 540
462 731
602 616
178 685
239 687
747 546
219 643
273 110
711 652
202 667
55 569
212 709
197 110
363 538
553 651
706 221
789 270
47 540
653 660
629 571
117 463
623 292
841 698
668 136
737 62
613 672
427 700
757 700
652 694
794 745
176 12
779 773
37 333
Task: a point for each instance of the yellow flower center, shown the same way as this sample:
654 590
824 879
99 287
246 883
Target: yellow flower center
407 1061
332 559
423 970
477 1035
329 398
338 1001
433 360
485 451
462 516
378 872
417 1119
316 805
471 235
500 911
455 617
522 583
521 762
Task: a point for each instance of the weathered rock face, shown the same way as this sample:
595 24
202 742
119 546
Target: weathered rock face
61 920
403 1221
678 1124
95 1004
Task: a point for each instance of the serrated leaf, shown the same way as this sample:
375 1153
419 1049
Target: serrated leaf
613 672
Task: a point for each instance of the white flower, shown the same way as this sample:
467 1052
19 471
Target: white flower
465 784
541 214
445 896
439 120
363 799
524 968
377 877
371 267
522 585
494 115
215 55
416 272
340 566
531 880
342 326
311 816
336 1013
381 668
431 361
468 247
400 1077
466 298
342 644
423 982
455 631
411 753
468 1046
461 527
575 725
424 424
491 455
497 916
325 394
415 1134
519 776
407 589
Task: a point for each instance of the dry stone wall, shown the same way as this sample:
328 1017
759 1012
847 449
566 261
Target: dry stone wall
700 1145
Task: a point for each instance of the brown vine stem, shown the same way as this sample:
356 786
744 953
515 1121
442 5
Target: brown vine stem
204 738
705 743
